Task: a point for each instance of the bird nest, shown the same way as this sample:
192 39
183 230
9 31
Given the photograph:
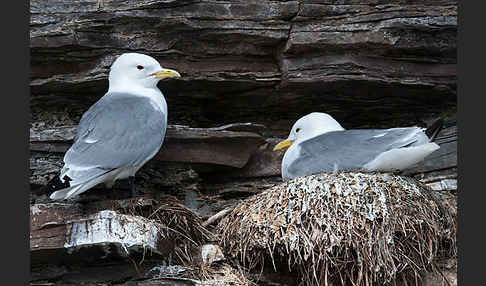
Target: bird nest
180 228
346 228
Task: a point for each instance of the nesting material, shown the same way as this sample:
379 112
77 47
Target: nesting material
210 275
177 222
346 228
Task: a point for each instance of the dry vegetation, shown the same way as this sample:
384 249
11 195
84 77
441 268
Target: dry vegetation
179 227
184 232
216 274
343 229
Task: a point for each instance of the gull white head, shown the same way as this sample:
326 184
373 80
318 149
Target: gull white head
308 126
133 70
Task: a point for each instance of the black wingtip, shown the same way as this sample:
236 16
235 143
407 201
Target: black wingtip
433 130
56 184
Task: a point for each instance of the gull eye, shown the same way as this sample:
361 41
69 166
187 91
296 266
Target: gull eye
297 130
140 67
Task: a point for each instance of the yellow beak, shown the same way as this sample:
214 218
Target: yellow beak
282 145
166 73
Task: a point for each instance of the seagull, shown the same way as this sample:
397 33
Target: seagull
317 143
120 132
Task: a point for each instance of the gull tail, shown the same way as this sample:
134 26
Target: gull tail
433 130
56 184
70 188
401 158
67 192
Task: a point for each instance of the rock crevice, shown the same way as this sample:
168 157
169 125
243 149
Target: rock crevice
240 58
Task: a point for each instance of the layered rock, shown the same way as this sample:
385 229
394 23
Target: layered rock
369 64
260 61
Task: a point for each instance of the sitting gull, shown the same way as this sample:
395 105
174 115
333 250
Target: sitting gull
318 144
119 133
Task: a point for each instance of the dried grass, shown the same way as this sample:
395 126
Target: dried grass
225 274
180 228
348 228
216 274
180 222
183 233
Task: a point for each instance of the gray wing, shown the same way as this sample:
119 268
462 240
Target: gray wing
118 130
351 149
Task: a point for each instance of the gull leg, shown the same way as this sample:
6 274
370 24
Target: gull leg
131 182
109 185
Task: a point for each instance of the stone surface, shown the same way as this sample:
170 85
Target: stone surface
268 62
211 253
181 144
70 230
370 64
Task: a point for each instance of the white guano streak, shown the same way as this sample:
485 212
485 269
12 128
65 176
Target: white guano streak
110 227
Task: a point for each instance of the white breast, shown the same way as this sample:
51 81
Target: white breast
289 157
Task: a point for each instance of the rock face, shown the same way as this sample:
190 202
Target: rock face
259 61
182 144
265 63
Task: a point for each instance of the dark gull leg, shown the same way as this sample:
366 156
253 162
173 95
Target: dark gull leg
131 182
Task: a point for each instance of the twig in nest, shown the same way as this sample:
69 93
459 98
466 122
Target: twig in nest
217 216
442 274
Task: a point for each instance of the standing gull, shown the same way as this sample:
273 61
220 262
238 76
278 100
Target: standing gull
318 143
119 133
